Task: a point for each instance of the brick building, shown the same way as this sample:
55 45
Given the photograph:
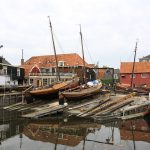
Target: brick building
41 70
141 75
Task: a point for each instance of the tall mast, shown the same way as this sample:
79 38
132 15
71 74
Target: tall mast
22 60
133 64
84 71
57 68
22 53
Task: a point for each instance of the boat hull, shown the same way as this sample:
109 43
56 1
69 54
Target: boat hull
52 92
81 93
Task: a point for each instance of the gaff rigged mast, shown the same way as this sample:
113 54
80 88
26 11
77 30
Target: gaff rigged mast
133 65
84 70
57 68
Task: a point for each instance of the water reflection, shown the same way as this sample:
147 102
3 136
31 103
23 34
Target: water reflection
68 132
72 133
10 125
136 130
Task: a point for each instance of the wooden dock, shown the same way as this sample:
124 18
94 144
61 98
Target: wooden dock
44 110
102 108
137 115
10 98
36 109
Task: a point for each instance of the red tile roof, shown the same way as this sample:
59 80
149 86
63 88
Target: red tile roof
48 61
140 67
91 65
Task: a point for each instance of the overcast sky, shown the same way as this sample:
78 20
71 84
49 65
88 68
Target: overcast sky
110 29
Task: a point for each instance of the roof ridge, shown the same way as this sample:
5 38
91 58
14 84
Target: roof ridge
56 54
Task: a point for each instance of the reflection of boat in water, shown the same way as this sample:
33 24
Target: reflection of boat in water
56 131
147 113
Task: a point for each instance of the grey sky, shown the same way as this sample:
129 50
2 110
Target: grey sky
110 28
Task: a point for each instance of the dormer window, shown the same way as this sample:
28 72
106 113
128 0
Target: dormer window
61 63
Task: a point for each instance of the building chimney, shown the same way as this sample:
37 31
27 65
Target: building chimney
22 60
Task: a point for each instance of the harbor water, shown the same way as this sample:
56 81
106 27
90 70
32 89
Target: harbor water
71 133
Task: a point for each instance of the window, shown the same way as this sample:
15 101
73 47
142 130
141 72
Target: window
53 70
31 81
123 76
60 136
4 70
144 75
115 76
44 81
47 71
18 71
61 63
52 80
134 75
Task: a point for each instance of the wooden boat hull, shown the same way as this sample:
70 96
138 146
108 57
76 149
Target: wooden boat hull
44 93
80 94
52 92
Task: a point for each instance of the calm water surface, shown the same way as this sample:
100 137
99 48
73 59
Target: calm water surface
58 133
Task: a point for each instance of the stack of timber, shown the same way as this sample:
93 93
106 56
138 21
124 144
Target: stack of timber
136 107
85 107
135 110
114 104
115 107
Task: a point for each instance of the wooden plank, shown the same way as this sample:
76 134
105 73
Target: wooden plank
83 114
48 105
88 103
110 103
43 112
10 94
13 105
132 116
114 107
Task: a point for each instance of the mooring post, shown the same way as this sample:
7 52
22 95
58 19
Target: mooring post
22 97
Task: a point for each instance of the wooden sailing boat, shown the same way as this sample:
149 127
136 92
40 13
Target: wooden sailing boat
82 91
52 90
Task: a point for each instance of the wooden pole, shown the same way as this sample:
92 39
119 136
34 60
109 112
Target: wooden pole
57 68
84 70
132 75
